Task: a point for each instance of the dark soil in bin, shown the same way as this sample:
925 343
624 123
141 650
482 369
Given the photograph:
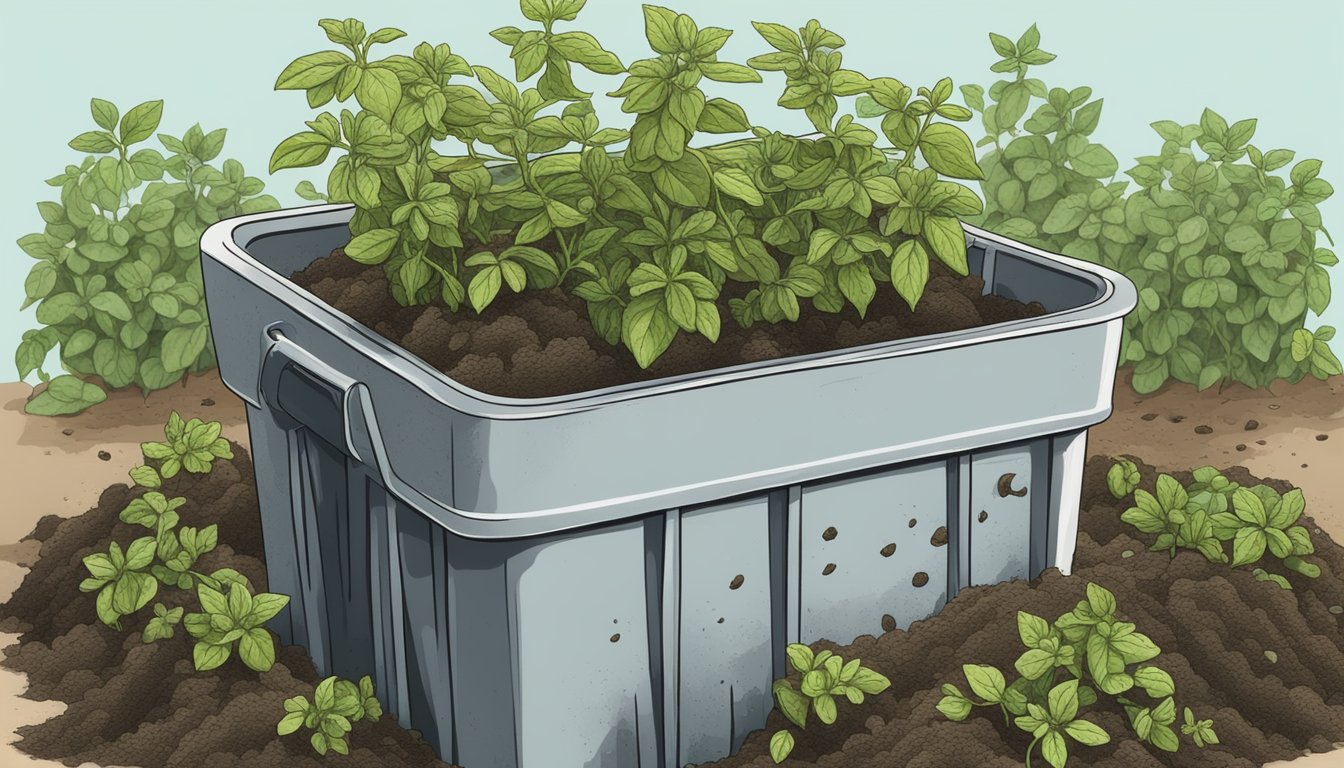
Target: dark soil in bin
145 705
1218 629
542 344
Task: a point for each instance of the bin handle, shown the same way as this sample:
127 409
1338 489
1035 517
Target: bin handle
299 388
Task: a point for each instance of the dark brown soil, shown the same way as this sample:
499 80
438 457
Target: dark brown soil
1267 665
135 704
541 343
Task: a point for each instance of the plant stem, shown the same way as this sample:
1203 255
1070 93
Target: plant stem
1031 747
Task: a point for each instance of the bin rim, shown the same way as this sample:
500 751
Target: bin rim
228 241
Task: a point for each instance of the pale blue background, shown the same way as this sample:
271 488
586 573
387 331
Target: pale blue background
216 62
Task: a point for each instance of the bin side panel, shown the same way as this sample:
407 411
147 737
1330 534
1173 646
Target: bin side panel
868 550
579 617
725 659
341 517
424 611
1068 454
1000 525
269 444
388 604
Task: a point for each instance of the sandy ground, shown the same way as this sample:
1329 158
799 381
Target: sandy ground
64 473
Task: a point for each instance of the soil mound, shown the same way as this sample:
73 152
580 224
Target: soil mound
1266 664
145 705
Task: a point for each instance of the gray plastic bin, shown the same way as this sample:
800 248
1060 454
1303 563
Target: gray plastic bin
532 583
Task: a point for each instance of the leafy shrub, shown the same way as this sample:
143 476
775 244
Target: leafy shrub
1067 665
648 237
335 706
1214 512
825 677
1224 251
117 281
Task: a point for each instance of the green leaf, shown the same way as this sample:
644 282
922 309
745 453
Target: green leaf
1087 733
1066 215
986 682
182 346
948 241
373 247
910 271
206 657
660 29
1248 546
685 181
105 113
1156 682
311 71
781 745
140 122
791 703
737 183
64 395
647 329
257 649
379 92
722 116
949 151
94 141
302 150
1095 162
484 287
1054 749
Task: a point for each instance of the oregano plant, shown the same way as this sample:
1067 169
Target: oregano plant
117 281
1068 664
1222 520
824 678
1229 256
644 223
